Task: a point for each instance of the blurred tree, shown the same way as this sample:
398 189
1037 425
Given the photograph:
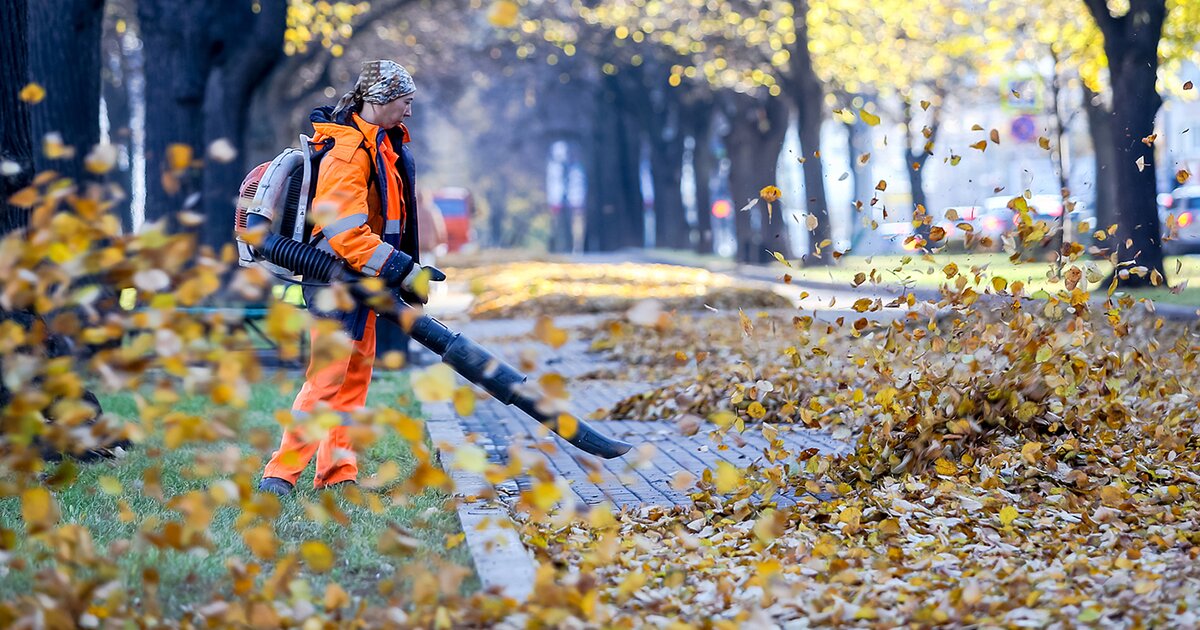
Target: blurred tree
700 108
1133 42
64 58
652 115
16 147
757 125
1142 45
203 60
121 88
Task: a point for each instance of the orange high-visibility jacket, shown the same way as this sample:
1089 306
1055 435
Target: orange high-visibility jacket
367 177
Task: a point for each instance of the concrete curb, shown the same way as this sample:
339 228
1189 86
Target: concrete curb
501 560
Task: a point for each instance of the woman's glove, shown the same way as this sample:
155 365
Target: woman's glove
409 279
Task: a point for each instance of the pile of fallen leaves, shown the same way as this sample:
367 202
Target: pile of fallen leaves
530 289
1031 464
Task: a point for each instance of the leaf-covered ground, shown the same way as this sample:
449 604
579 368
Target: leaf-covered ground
118 503
1019 458
1027 465
531 289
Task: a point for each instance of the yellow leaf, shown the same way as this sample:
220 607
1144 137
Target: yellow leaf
32 93
102 159
434 384
553 385
464 400
769 194
781 259
179 156
37 507
317 555
109 485
1044 142
1008 515
546 332
504 14
470 458
545 494
728 478
335 597
945 467
722 419
868 117
261 541
756 410
981 145
568 425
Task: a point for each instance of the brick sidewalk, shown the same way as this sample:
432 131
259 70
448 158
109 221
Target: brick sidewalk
640 478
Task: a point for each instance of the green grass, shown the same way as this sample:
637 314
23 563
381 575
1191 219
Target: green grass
193 577
920 273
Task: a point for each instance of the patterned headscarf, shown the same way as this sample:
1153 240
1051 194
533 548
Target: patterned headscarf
380 82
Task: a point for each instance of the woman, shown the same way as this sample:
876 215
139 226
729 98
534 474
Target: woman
367 175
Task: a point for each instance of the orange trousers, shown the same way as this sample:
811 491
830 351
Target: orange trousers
342 386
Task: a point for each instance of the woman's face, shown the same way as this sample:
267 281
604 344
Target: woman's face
391 114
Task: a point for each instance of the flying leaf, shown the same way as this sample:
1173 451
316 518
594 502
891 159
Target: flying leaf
179 156
464 401
32 93
317 555
434 384
504 14
868 117
545 331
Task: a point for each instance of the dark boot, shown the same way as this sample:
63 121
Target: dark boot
275 486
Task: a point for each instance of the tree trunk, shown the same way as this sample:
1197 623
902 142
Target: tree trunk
120 65
64 58
916 153
656 108
16 145
698 122
251 44
615 214
671 229
757 126
497 198
178 56
808 92
1131 45
1099 120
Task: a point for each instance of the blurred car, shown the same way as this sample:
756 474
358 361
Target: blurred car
1000 217
988 220
1178 212
457 206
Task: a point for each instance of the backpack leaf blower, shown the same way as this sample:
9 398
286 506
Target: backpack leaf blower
289 255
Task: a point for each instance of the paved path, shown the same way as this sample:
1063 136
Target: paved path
643 476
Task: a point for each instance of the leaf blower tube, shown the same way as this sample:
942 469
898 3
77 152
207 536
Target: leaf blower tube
469 359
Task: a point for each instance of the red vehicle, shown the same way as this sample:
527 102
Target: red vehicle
457 208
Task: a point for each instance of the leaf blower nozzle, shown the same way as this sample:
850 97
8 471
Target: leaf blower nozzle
469 359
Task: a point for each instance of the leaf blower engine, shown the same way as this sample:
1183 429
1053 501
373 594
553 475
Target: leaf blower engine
273 228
